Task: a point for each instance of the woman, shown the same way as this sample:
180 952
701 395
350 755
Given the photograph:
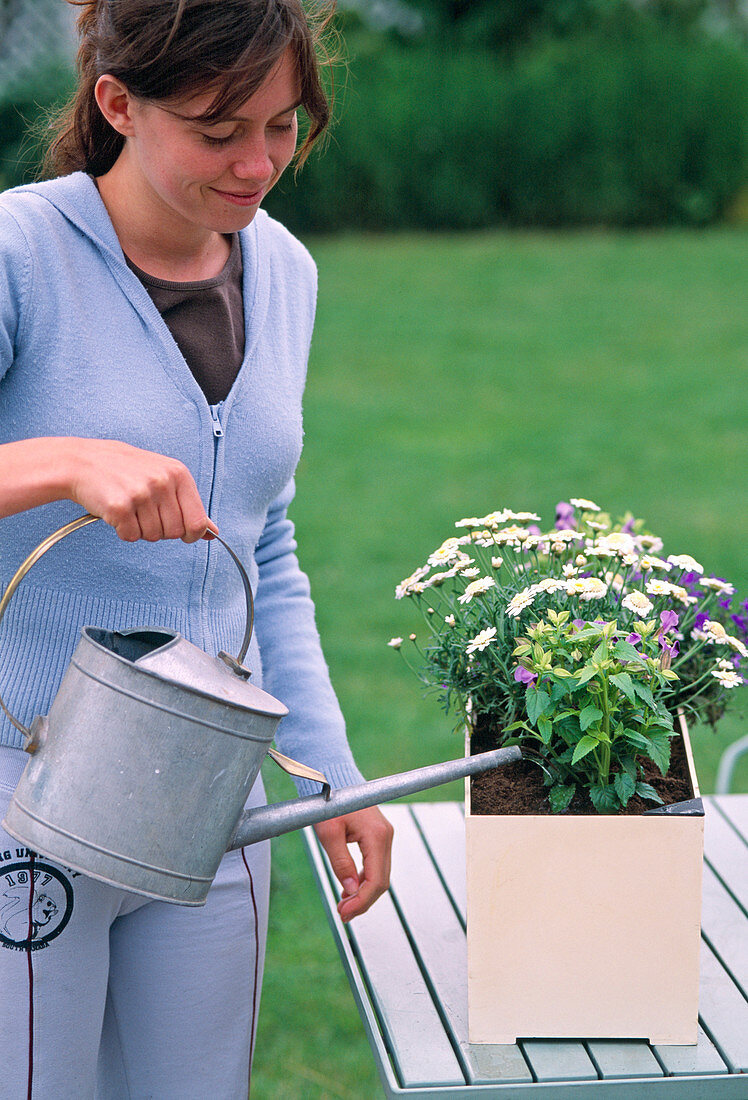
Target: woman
154 332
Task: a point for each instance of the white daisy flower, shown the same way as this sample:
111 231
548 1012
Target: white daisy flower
737 645
656 587
594 589
648 562
585 505
497 563
614 580
471 521
437 579
596 525
412 583
518 603
653 543
449 620
716 633
476 588
480 641
727 679
474 572
395 642
564 535
637 602
446 553
685 562
513 533
716 585
550 584
580 560
521 517
569 570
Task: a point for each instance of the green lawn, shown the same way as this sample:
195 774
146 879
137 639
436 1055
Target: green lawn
452 375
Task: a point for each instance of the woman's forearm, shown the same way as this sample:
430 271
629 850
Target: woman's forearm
142 494
34 472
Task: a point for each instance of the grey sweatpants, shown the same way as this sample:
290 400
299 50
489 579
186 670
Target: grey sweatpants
107 994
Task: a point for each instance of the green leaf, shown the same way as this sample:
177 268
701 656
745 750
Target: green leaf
645 694
537 703
586 674
624 651
589 715
659 751
558 690
560 796
638 739
604 799
625 785
585 746
644 790
625 684
545 728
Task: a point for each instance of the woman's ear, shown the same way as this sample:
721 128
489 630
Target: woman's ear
115 103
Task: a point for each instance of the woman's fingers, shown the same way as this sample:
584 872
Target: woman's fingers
143 495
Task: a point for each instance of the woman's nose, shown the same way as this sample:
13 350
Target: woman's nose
253 161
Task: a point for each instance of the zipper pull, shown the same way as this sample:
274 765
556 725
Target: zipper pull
217 429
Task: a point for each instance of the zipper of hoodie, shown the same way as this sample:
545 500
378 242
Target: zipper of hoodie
218 435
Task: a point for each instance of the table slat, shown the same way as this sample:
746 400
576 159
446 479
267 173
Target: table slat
554 1060
735 809
692 1061
723 1011
440 942
725 926
443 828
619 1058
726 853
413 1033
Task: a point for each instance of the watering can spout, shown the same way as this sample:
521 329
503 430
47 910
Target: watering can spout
284 817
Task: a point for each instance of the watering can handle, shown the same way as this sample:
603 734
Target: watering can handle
83 521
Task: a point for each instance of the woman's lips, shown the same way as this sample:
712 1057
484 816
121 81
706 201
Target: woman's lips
239 198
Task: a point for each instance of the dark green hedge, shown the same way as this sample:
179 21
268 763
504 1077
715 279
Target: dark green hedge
645 129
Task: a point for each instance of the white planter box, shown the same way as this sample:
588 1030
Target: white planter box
584 926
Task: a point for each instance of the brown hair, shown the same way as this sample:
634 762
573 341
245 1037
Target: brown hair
164 49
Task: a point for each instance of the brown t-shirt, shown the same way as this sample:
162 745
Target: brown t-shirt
206 319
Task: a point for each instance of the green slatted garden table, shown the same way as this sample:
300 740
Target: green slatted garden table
406 960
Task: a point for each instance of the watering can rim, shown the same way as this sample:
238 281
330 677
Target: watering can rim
280 710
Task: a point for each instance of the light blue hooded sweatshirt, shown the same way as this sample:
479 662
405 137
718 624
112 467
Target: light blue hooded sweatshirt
84 352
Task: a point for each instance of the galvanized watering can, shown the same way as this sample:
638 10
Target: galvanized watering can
139 774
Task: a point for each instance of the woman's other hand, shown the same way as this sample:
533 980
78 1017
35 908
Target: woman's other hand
373 833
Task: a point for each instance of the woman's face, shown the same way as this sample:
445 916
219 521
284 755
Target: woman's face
213 177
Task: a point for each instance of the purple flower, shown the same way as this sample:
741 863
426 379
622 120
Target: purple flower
701 618
669 621
534 529
524 676
628 527
667 648
634 638
578 623
565 517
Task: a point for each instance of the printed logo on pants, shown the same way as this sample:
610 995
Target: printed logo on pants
36 901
